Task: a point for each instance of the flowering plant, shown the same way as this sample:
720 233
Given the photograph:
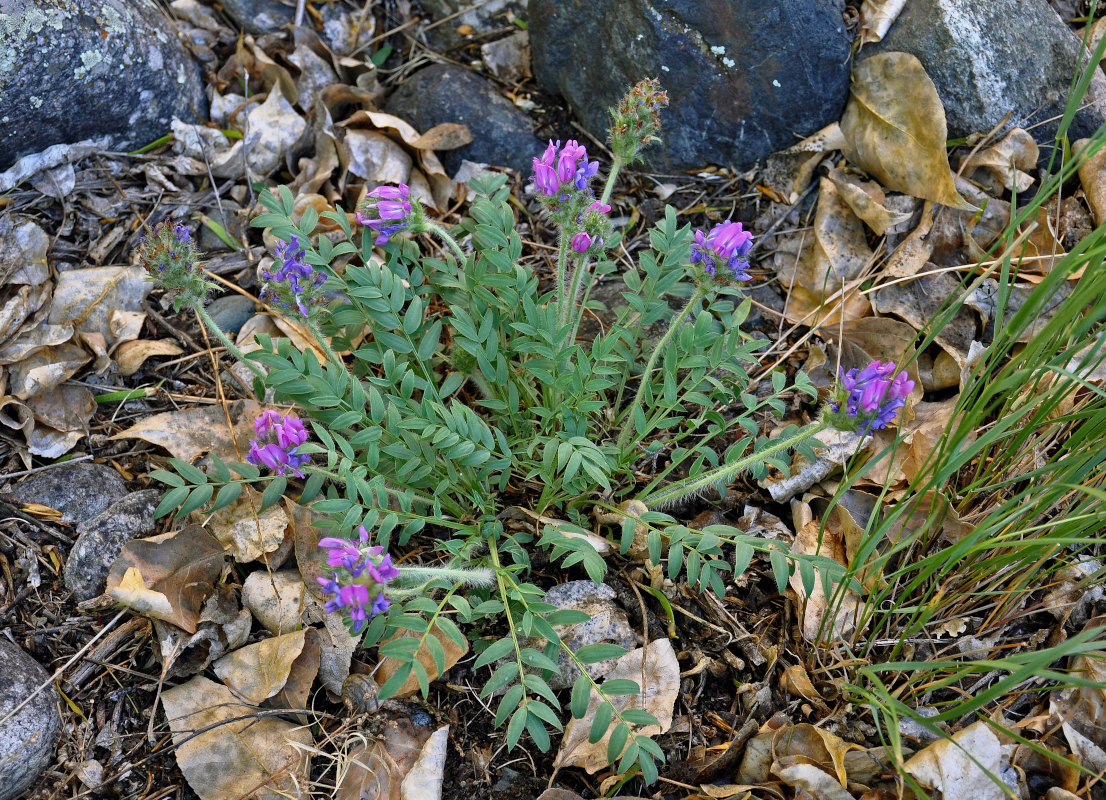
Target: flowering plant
468 388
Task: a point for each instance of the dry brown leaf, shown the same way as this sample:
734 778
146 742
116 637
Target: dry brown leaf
795 681
424 781
87 298
656 670
246 534
453 654
789 172
301 676
915 250
956 767
64 408
780 741
130 356
258 671
894 126
309 558
45 369
919 438
818 784
812 539
919 300
877 17
866 200
839 252
440 185
262 758
447 136
814 310
169 576
1007 161
1092 176
191 432
376 768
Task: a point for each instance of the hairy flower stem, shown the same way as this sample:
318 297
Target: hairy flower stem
206 319
473 576
690 486
323 343
443 234
576 310
562 258
628 420
609 186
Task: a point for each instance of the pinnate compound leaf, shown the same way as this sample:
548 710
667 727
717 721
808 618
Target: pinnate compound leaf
587 741
894 126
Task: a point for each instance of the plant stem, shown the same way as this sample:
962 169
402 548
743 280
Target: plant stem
206 319
689 486
444 235
562 257
609 187
474 576
330 354
628 422
572 311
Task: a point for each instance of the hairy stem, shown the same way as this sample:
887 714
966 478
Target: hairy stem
444 235
609 187
206 319
628 420
675 491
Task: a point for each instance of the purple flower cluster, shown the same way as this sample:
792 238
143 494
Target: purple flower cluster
872 396
277 443
295 284
388 212
728 245
558 166
591 217
359 592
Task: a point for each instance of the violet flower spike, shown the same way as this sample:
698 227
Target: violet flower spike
728 244
871 396
581 242
276 447
387 211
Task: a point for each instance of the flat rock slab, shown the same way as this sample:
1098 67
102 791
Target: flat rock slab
79 491
100 540
77 69
743 79
989 59
502 135
27 739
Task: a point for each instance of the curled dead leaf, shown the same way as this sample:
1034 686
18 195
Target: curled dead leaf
130 356
260 670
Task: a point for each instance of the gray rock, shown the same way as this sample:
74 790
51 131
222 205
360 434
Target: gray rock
79 491
231 312
988 59
100 540
77 69
743 79
27 739
259 16
502 135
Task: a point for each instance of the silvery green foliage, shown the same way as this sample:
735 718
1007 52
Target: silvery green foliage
464 396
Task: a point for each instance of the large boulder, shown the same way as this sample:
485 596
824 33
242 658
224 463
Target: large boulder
27 739
81 69
990 59
744 79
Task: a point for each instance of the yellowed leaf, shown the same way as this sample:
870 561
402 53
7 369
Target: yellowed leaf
866 201
812 539
447 136
131 355
959 767
258 671
894 126
914 251
226 751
